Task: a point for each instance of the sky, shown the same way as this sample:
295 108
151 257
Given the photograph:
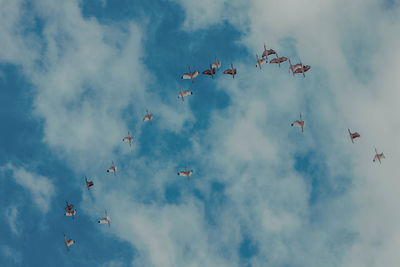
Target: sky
76 76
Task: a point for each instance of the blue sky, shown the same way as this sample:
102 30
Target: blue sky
75 76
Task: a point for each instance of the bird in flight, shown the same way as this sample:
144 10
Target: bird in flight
88 183
105 219
299 123
268 52
378 156
148 117
182 94
231 71
69 242
216 64
113 168
190 75
278 60
260 61
185 173
128 138
353 135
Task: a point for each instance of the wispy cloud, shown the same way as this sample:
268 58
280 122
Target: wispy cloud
41 188
12 254
11 213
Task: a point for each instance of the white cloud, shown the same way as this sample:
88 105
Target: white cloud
12 254
41 188
11 213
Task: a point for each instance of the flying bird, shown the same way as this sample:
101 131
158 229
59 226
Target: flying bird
69 242
105 219
148 117
113 168
266 53
185 173
210 72
302 70
128 138
88 183
260 61
353 135
190 75
183 94
278 60
378 156
216 64
299 123
231 71
293 68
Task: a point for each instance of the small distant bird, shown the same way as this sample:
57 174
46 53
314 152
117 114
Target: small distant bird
185 173
266 53
190 75
231 71
105 219
278 60
128 138
148 117
113 168
353 135
183 94
88 183
260 61
378 156
293 68
299 123
69 242
210 72
216 64
302 70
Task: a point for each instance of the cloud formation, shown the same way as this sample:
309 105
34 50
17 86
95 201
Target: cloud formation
41 188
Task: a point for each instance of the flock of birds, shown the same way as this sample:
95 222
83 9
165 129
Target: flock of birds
298 68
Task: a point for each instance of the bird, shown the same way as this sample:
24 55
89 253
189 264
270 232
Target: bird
69 242
299 123
148 117
113 168
185 173
105 219
210 72
231 71
88 183
353 135
190 75
302 70
129 138
278 60
266 53
378 156
260 61
216 64
293 68
182 94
